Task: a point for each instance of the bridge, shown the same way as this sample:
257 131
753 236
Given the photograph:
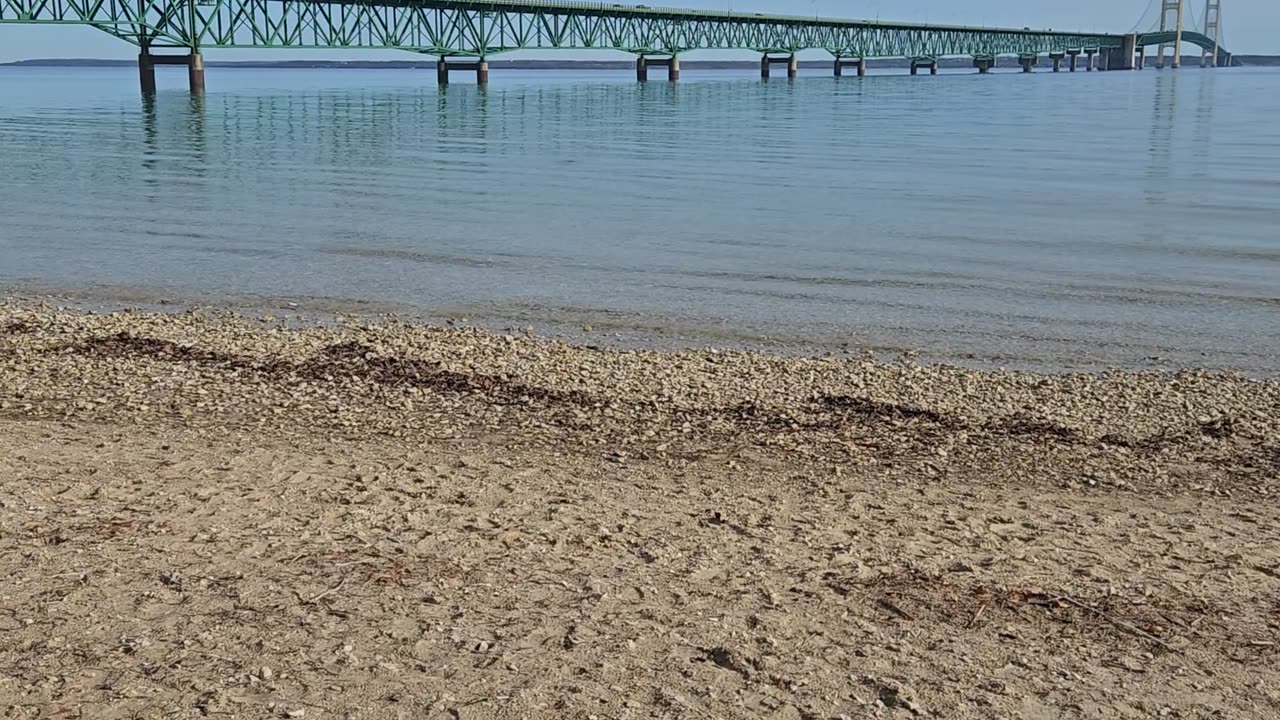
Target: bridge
463 34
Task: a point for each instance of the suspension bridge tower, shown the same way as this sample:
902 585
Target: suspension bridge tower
1212 30
1171 14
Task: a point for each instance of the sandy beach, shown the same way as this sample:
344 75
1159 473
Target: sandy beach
210 514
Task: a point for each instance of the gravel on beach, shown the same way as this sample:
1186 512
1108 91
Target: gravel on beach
211 514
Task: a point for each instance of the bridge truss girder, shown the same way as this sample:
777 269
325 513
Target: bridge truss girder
1166 38
478 29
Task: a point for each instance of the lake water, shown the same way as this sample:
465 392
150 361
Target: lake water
1054 221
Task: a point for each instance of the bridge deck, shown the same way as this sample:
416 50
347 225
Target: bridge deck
633 11
482 28
487 27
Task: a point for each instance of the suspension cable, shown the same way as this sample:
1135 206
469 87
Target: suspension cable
1143 17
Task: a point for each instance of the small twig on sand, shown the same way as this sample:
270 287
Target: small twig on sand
981 609
331 590
357 537
886 604
1116 621
358 562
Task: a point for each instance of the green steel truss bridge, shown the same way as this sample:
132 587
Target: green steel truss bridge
478 29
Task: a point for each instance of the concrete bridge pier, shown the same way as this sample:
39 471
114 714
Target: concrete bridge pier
1056 57
672 64
1119 58
931 63
195 73
1088 60
480 67
767 60
842 63
1072 56
1125 54
983 64
1142 57
147 63
146 73
1028 62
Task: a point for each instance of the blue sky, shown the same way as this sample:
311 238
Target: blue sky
1251 26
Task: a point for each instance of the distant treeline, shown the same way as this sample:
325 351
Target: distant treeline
1254 60
1262 60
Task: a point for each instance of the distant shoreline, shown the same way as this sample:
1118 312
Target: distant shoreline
1247 60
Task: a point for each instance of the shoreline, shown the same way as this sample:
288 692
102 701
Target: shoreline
610 329
213 512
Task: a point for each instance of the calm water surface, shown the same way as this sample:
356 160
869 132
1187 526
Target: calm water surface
1054 221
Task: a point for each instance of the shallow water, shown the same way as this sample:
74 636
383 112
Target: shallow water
1055 221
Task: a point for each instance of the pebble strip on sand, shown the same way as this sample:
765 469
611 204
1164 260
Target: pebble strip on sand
356 378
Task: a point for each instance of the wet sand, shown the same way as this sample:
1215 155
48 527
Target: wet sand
210 514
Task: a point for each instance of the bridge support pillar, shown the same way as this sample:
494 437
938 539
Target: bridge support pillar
672 64
1057 61
480 67
767 60
1123 59
195 73
1088 60
1142 57
931 63
842 63
1072 56
1027 62
146 73
194 62
983 64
